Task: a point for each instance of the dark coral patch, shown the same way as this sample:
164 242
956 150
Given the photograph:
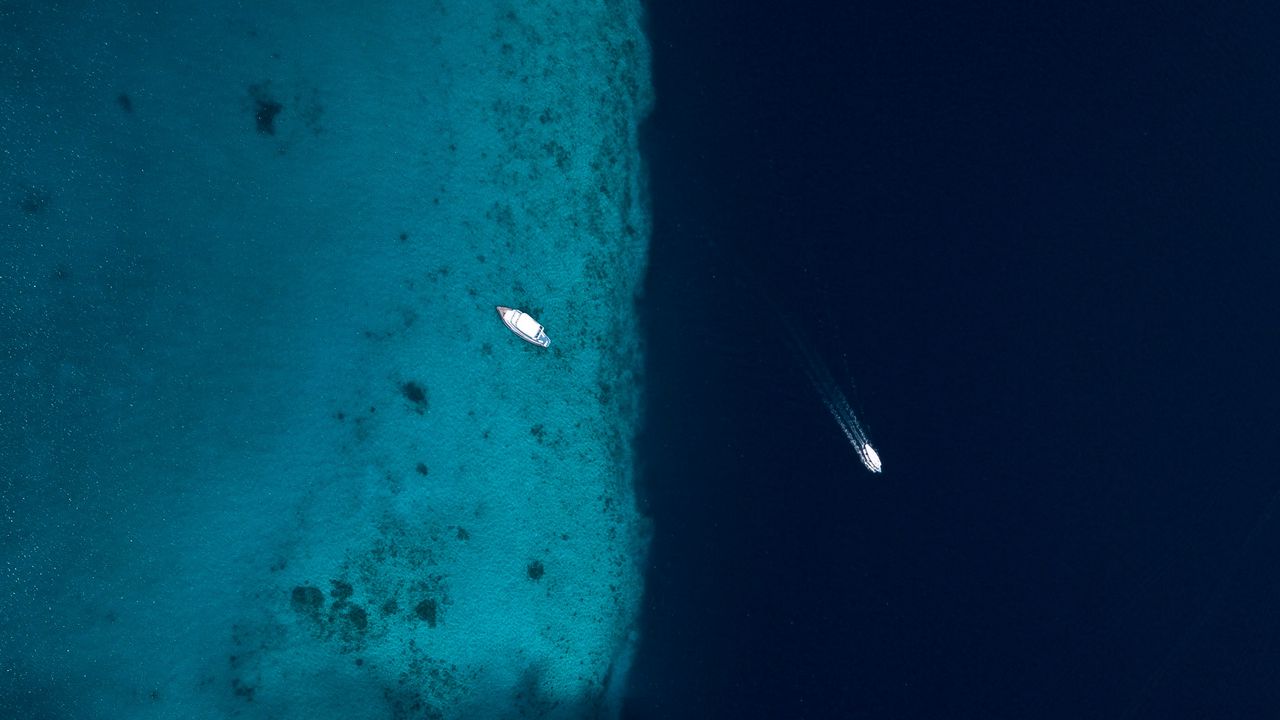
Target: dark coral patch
265 109
34 200
422 469
427 610
416 394
242 690
308 600
358 618
341 590
536 570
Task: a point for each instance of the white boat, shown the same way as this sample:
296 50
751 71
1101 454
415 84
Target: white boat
524 325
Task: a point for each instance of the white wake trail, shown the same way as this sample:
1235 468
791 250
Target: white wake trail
838 405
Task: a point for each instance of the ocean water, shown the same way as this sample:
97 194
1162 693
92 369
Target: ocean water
266 448
266 451
1035 246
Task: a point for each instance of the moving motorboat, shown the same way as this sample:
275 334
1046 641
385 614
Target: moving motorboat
524 325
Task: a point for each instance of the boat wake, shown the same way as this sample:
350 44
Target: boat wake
828 390
837 404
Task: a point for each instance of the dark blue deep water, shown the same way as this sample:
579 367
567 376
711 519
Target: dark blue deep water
1043 244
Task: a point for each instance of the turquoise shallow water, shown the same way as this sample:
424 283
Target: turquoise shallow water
269 451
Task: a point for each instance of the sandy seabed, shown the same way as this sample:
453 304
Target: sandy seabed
270 451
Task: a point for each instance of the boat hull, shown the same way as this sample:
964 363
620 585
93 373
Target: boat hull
523 325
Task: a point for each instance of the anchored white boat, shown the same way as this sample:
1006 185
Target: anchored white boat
524 325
